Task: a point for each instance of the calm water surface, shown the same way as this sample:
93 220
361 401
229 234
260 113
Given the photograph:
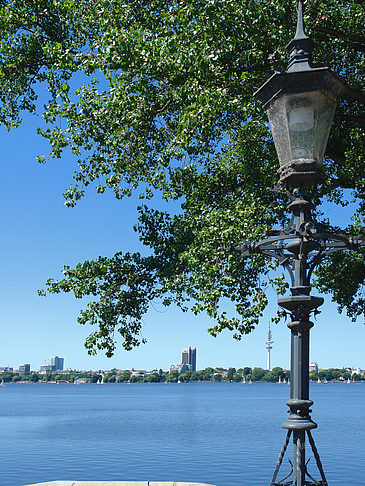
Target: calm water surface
227 434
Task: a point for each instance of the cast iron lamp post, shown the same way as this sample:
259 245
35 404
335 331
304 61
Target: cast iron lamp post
300 104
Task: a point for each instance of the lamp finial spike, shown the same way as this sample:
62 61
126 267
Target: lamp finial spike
300 33
301 47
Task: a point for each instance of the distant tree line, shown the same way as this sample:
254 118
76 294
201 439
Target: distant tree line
208 374
335 374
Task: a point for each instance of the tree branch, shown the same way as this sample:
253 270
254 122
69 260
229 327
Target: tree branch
336 155
335 183
166 105
360 120
355 94
358 40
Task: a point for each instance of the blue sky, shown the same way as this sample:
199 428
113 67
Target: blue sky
40 234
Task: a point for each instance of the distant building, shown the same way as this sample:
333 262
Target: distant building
221 370
6 369
138 372
24 369
268 343
45 369
313 367
57 363
53 364
180 368
353 371
188 357
188 361
82 380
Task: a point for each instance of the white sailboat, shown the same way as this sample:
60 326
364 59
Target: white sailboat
319 381
2 383
243 379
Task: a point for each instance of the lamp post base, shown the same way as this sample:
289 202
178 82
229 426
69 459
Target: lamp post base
285 481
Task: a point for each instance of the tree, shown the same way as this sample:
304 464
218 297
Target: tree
274 375
152 378
173 376
167 109
269 376
247 370
257 374
187 376
208 373
230 373
313 376
6 376
196 376
124 376
278 372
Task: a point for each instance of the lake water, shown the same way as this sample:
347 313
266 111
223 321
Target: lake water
227 434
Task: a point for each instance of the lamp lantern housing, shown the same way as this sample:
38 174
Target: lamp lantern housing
300 105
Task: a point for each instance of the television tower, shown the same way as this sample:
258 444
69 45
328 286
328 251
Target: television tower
268 343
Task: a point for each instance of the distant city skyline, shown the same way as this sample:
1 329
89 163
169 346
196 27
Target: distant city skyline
42 235
188 361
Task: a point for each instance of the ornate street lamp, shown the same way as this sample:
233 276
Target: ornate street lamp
300 104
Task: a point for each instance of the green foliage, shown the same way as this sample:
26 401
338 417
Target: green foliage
156 97
6 376
343 273
230 373
124 377
274 375
207 375
173 376
257 374
247 370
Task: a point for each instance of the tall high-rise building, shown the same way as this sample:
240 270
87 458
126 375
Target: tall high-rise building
24 369
188 357
53 364
268 343
57 363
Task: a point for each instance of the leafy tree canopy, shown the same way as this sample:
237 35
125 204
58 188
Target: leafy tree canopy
156 98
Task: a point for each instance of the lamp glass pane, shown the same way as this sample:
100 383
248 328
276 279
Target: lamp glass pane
300 125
